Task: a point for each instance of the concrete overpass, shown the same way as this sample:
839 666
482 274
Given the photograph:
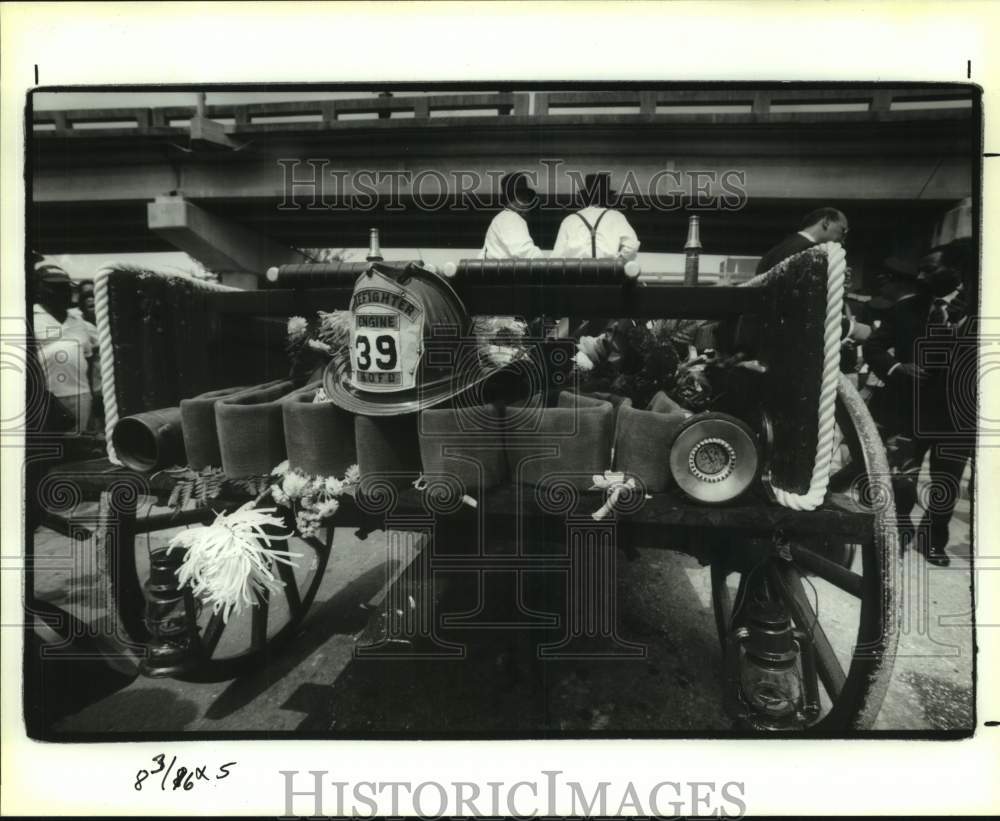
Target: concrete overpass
215 181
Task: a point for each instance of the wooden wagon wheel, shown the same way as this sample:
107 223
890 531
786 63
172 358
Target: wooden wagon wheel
227 649
844 602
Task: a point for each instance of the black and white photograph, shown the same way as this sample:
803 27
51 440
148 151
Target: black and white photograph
579 412
368 410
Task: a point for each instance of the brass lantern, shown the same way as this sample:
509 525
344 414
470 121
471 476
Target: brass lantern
771 672
171 618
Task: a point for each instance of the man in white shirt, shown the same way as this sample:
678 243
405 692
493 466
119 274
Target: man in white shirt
508 236
65 342
596 231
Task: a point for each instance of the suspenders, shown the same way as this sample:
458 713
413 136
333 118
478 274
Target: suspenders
592 228
593 231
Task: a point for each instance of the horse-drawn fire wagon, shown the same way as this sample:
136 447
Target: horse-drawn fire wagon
468 435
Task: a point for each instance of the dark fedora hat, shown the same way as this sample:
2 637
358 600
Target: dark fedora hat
597 190
51 273
898 268
410 345
515 186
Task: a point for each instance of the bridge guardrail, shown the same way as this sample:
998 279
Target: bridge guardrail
669 104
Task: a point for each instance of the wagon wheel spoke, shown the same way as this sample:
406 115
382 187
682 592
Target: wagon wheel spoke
258 622
290 588
213 632
788 581
721 601
844 477
830 571
847 473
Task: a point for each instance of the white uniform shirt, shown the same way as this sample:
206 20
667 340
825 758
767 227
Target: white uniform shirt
615 237
508 238
64 349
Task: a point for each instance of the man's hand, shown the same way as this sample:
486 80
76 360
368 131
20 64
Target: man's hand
910 371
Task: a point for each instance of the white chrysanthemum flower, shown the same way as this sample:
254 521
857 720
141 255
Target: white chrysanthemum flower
294 484
582 361
280 469
333 486
352 475
297 327
591 346
229 563
327 509
335 322
335 329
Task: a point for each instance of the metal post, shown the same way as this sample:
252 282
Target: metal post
374 251
692 250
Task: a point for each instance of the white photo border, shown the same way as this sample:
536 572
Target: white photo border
111 43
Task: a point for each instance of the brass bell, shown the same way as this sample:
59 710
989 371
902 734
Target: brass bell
714 458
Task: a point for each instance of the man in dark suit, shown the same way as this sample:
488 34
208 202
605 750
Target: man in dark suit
915 401
821 225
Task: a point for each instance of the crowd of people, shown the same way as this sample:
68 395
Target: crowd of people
921 382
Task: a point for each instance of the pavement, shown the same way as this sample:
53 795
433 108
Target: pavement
499 686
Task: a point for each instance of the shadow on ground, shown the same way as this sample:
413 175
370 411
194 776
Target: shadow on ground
502 686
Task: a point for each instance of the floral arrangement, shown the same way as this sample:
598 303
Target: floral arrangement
692 386
628 359
637 361
311 498
230 562
312 343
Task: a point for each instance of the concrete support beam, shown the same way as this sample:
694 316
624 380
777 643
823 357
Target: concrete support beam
219 245
207 133
325 178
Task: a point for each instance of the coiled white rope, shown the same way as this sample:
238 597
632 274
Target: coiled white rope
826 430
106 350
615 483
